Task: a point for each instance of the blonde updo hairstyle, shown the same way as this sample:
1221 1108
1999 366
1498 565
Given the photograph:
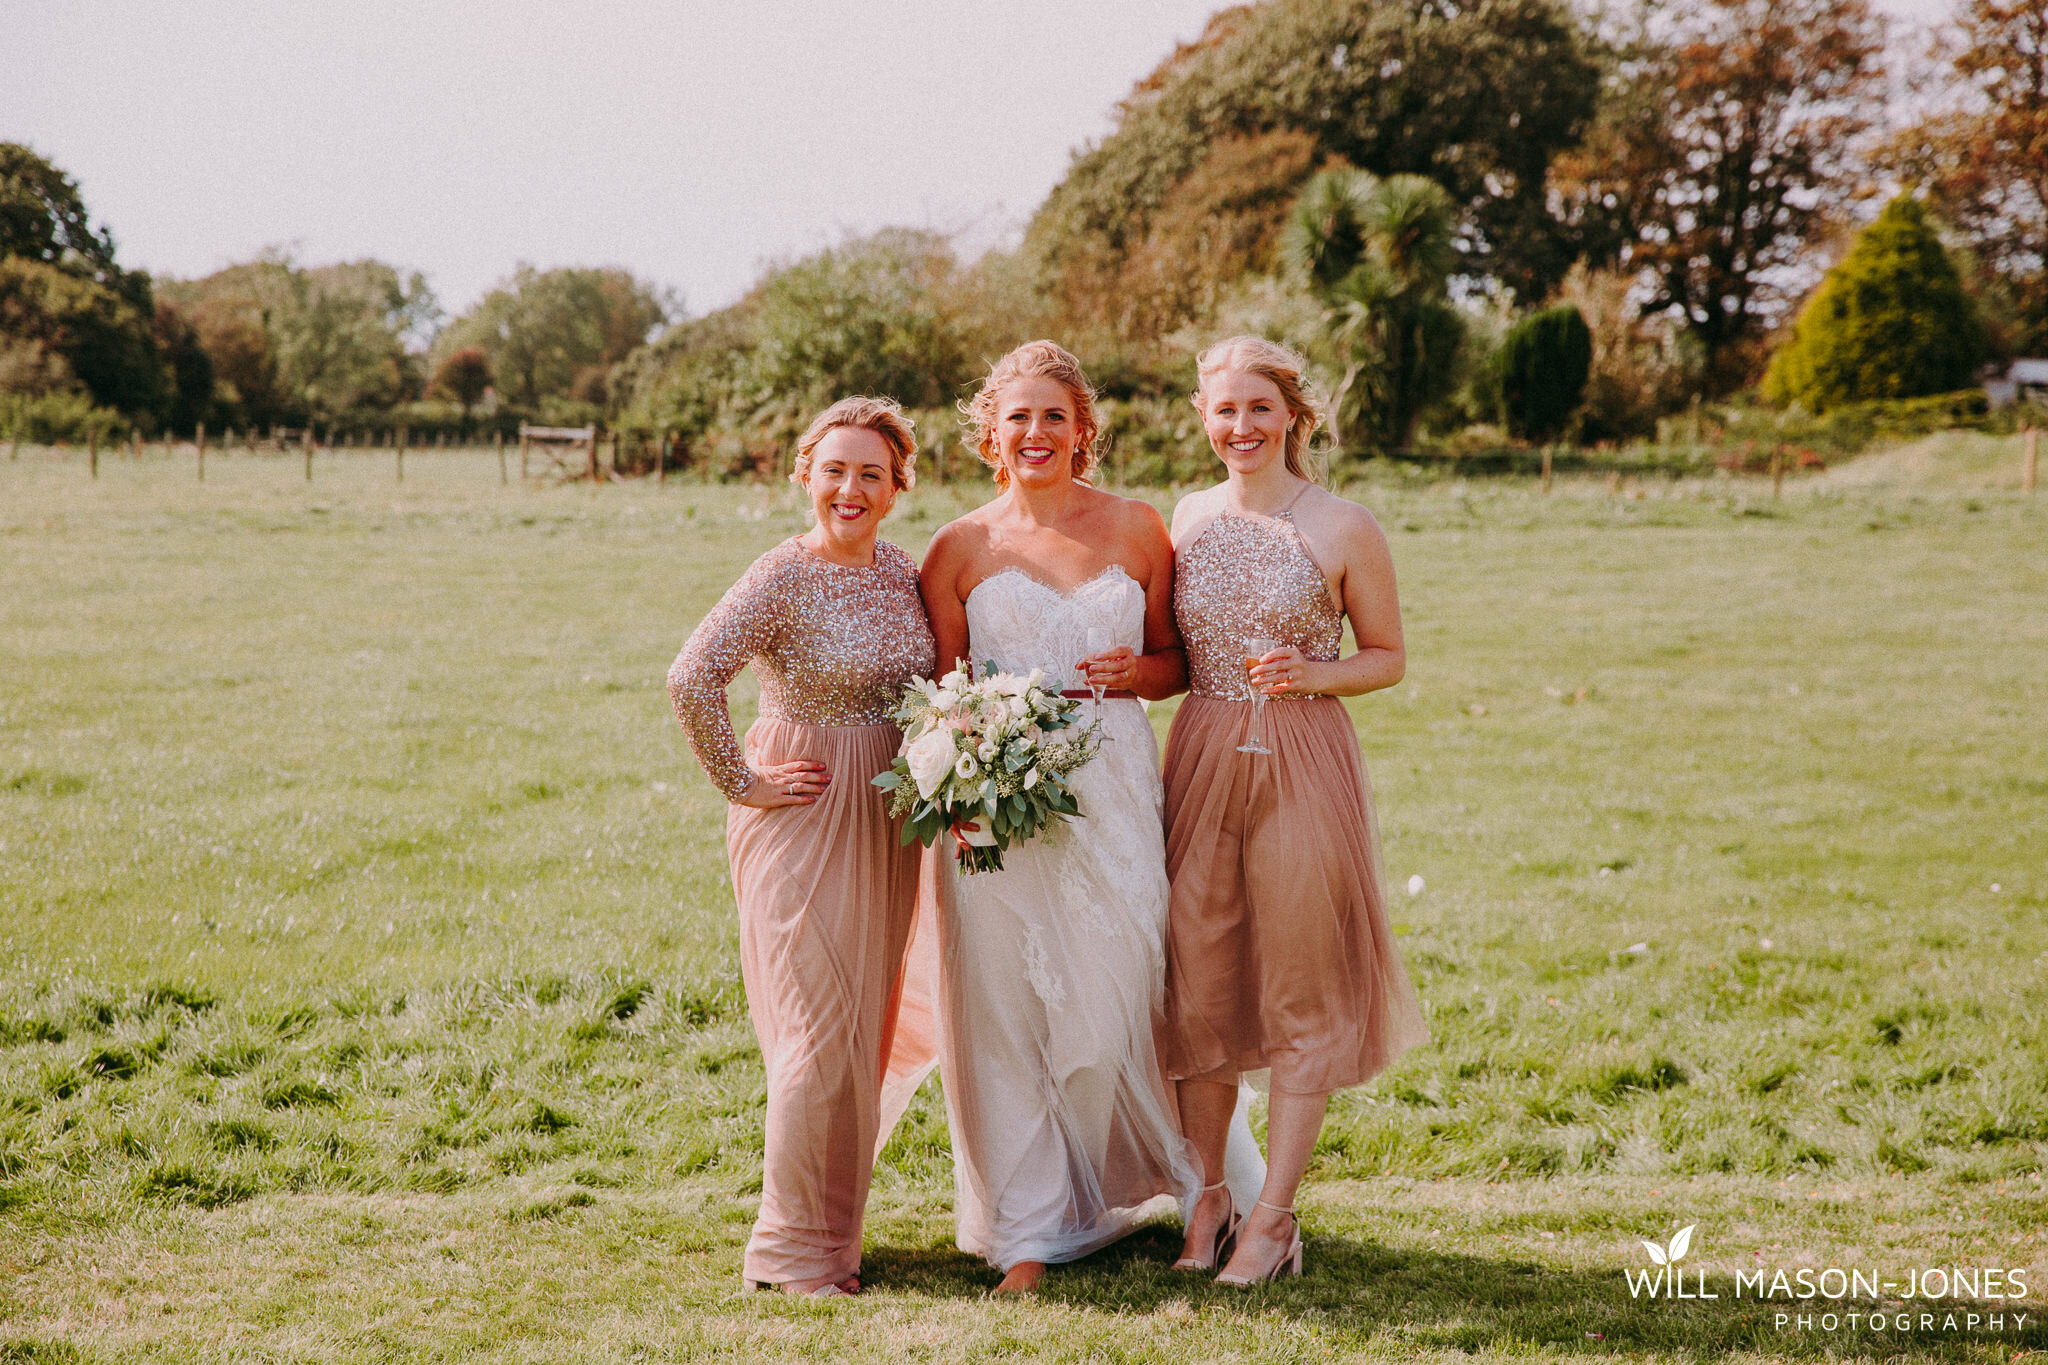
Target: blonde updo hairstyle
1288 373
883 416
1047 359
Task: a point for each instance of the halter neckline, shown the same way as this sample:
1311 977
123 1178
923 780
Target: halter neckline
1286 511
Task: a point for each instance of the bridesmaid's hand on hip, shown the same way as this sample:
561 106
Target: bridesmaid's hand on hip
797 783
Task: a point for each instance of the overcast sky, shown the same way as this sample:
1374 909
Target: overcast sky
689 141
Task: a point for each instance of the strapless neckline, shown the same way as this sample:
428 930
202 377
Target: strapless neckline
1111 573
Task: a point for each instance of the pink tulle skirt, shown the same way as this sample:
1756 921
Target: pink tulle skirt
826 895
1279 953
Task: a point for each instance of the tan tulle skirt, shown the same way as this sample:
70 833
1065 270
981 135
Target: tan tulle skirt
826 896
1279 954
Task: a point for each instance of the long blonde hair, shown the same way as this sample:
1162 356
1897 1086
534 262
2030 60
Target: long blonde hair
1288 373
1047 359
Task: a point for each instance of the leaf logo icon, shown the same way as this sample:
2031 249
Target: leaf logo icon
1671 1255
1680 1240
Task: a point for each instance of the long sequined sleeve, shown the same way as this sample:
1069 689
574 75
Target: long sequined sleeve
739 629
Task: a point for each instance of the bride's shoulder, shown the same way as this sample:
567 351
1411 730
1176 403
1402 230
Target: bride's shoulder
957 543
1129 514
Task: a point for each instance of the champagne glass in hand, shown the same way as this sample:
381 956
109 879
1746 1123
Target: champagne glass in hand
1256 649
1099 640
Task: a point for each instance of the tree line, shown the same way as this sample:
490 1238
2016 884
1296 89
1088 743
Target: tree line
1509 216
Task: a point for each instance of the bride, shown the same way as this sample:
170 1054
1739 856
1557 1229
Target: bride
1051 971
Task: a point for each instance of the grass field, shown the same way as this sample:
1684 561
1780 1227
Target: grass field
368 984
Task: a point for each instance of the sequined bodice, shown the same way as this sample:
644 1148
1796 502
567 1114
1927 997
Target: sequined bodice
831 645
1249 577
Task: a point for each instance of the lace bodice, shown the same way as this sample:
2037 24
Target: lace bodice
1020 623
1249 577
832 645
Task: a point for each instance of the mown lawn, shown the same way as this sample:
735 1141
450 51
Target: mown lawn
368 985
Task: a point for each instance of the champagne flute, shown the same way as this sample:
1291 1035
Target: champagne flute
1255 649
1099 639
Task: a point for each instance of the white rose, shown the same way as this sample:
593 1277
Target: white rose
930 758
1019 706
953 681
944 698
965 768
987 751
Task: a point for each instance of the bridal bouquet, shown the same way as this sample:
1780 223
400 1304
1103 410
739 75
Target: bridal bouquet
986 758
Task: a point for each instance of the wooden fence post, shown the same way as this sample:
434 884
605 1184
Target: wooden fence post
134 441
1778 471
593 455
402 434
660 457
498 439
1546 469
92 450
14 444
2033 459
201 461
199 439
307 451
524 442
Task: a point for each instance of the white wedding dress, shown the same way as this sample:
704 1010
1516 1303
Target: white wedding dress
1051 972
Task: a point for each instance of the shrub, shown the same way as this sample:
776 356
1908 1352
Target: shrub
55 417
1543 367
1636 375
1891 321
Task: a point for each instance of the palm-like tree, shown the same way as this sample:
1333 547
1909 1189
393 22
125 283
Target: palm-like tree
1378 255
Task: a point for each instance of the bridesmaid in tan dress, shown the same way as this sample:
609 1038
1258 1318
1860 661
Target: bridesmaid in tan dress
1279 954
833 625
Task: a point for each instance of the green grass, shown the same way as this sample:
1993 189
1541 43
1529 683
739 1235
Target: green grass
368 982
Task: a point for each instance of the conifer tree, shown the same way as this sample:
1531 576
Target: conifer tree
1891 321
1543 367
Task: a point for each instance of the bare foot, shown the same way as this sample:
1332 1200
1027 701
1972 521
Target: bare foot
1023 1278
1204 1225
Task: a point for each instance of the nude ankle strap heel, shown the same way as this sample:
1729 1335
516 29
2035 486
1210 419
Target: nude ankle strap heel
1226 1236
1290 1259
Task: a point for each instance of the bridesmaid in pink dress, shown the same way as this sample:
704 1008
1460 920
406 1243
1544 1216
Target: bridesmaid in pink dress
833 625
1279 954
